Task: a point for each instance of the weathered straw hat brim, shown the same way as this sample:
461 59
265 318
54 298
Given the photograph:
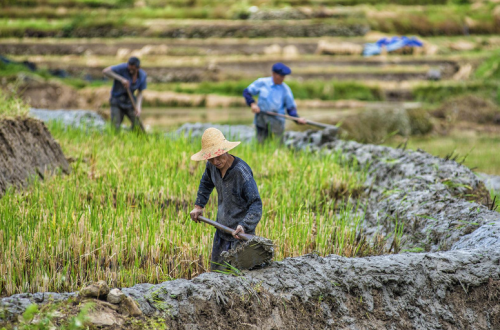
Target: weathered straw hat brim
214 151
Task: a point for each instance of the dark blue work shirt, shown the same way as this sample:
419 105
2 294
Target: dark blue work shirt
118 88
239 201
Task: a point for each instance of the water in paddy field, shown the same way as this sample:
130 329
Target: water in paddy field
169 118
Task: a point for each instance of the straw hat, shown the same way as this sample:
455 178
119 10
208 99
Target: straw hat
213 144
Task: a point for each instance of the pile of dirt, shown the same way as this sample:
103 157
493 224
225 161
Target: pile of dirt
49 95
27 150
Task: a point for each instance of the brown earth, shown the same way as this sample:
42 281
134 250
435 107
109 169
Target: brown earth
50 95
469 108
27 150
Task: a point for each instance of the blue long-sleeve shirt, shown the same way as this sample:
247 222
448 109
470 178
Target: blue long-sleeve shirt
118 88
272 97
239 200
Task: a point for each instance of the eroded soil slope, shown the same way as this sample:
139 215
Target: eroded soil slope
27 150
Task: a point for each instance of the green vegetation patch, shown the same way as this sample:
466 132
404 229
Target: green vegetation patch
441 91
312 89
480 152
11 107
123 212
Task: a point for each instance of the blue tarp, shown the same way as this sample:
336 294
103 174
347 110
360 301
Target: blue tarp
391 44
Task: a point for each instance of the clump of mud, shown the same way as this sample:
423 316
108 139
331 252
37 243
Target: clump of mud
27 150
255 252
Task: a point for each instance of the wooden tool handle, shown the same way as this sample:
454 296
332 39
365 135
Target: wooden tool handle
309 122
227 230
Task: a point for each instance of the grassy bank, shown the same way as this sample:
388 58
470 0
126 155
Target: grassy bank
123 212
311 89
480 151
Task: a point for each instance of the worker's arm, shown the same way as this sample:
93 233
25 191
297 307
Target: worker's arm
291 107
142 87
251 196
248 93
204 191
108 72
139 103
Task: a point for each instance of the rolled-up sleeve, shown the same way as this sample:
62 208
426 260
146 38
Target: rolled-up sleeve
250 194
205 188
291 107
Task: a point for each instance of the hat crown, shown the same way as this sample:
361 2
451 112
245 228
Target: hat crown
211 137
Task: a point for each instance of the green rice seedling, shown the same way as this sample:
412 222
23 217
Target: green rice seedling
123 213
11 106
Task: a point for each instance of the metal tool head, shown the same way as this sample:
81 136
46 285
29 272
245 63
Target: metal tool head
255 252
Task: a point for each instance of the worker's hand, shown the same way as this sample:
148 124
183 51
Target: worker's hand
197 211
125 83
238 230
138 111
255 108
301 121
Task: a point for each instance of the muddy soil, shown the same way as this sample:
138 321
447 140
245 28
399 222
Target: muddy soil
230 70
175 47
42 94
27 150
165 29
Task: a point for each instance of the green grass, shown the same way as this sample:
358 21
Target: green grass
489 69
441 91
123 212
425 18
481 151
311 89
11 107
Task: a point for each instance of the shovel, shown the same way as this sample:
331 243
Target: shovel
308 122
135 110
254 251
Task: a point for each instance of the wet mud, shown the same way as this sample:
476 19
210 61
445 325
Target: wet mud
27 151
258 251
454 283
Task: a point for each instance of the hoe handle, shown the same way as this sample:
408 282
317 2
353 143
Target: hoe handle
309 122
135 109
227 230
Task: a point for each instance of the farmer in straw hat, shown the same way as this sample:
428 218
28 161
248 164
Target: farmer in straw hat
239 203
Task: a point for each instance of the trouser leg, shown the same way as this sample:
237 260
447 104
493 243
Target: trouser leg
278 130
220 245
116 116
262 134
136 123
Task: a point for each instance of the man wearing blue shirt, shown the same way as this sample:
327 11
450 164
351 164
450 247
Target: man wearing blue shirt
126 75
274 96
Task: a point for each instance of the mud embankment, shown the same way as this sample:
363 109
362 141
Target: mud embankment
453 284
220 71
27 150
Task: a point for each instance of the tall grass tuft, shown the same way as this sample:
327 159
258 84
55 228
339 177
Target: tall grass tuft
11 106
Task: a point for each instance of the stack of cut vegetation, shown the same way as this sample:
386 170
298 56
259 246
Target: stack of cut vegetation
27 149
469 108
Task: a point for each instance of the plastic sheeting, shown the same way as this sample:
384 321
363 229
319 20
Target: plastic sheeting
391 44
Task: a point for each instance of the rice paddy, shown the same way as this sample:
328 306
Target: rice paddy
123 213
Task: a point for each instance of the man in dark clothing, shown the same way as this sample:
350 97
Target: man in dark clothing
239 203
274 96
126 76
